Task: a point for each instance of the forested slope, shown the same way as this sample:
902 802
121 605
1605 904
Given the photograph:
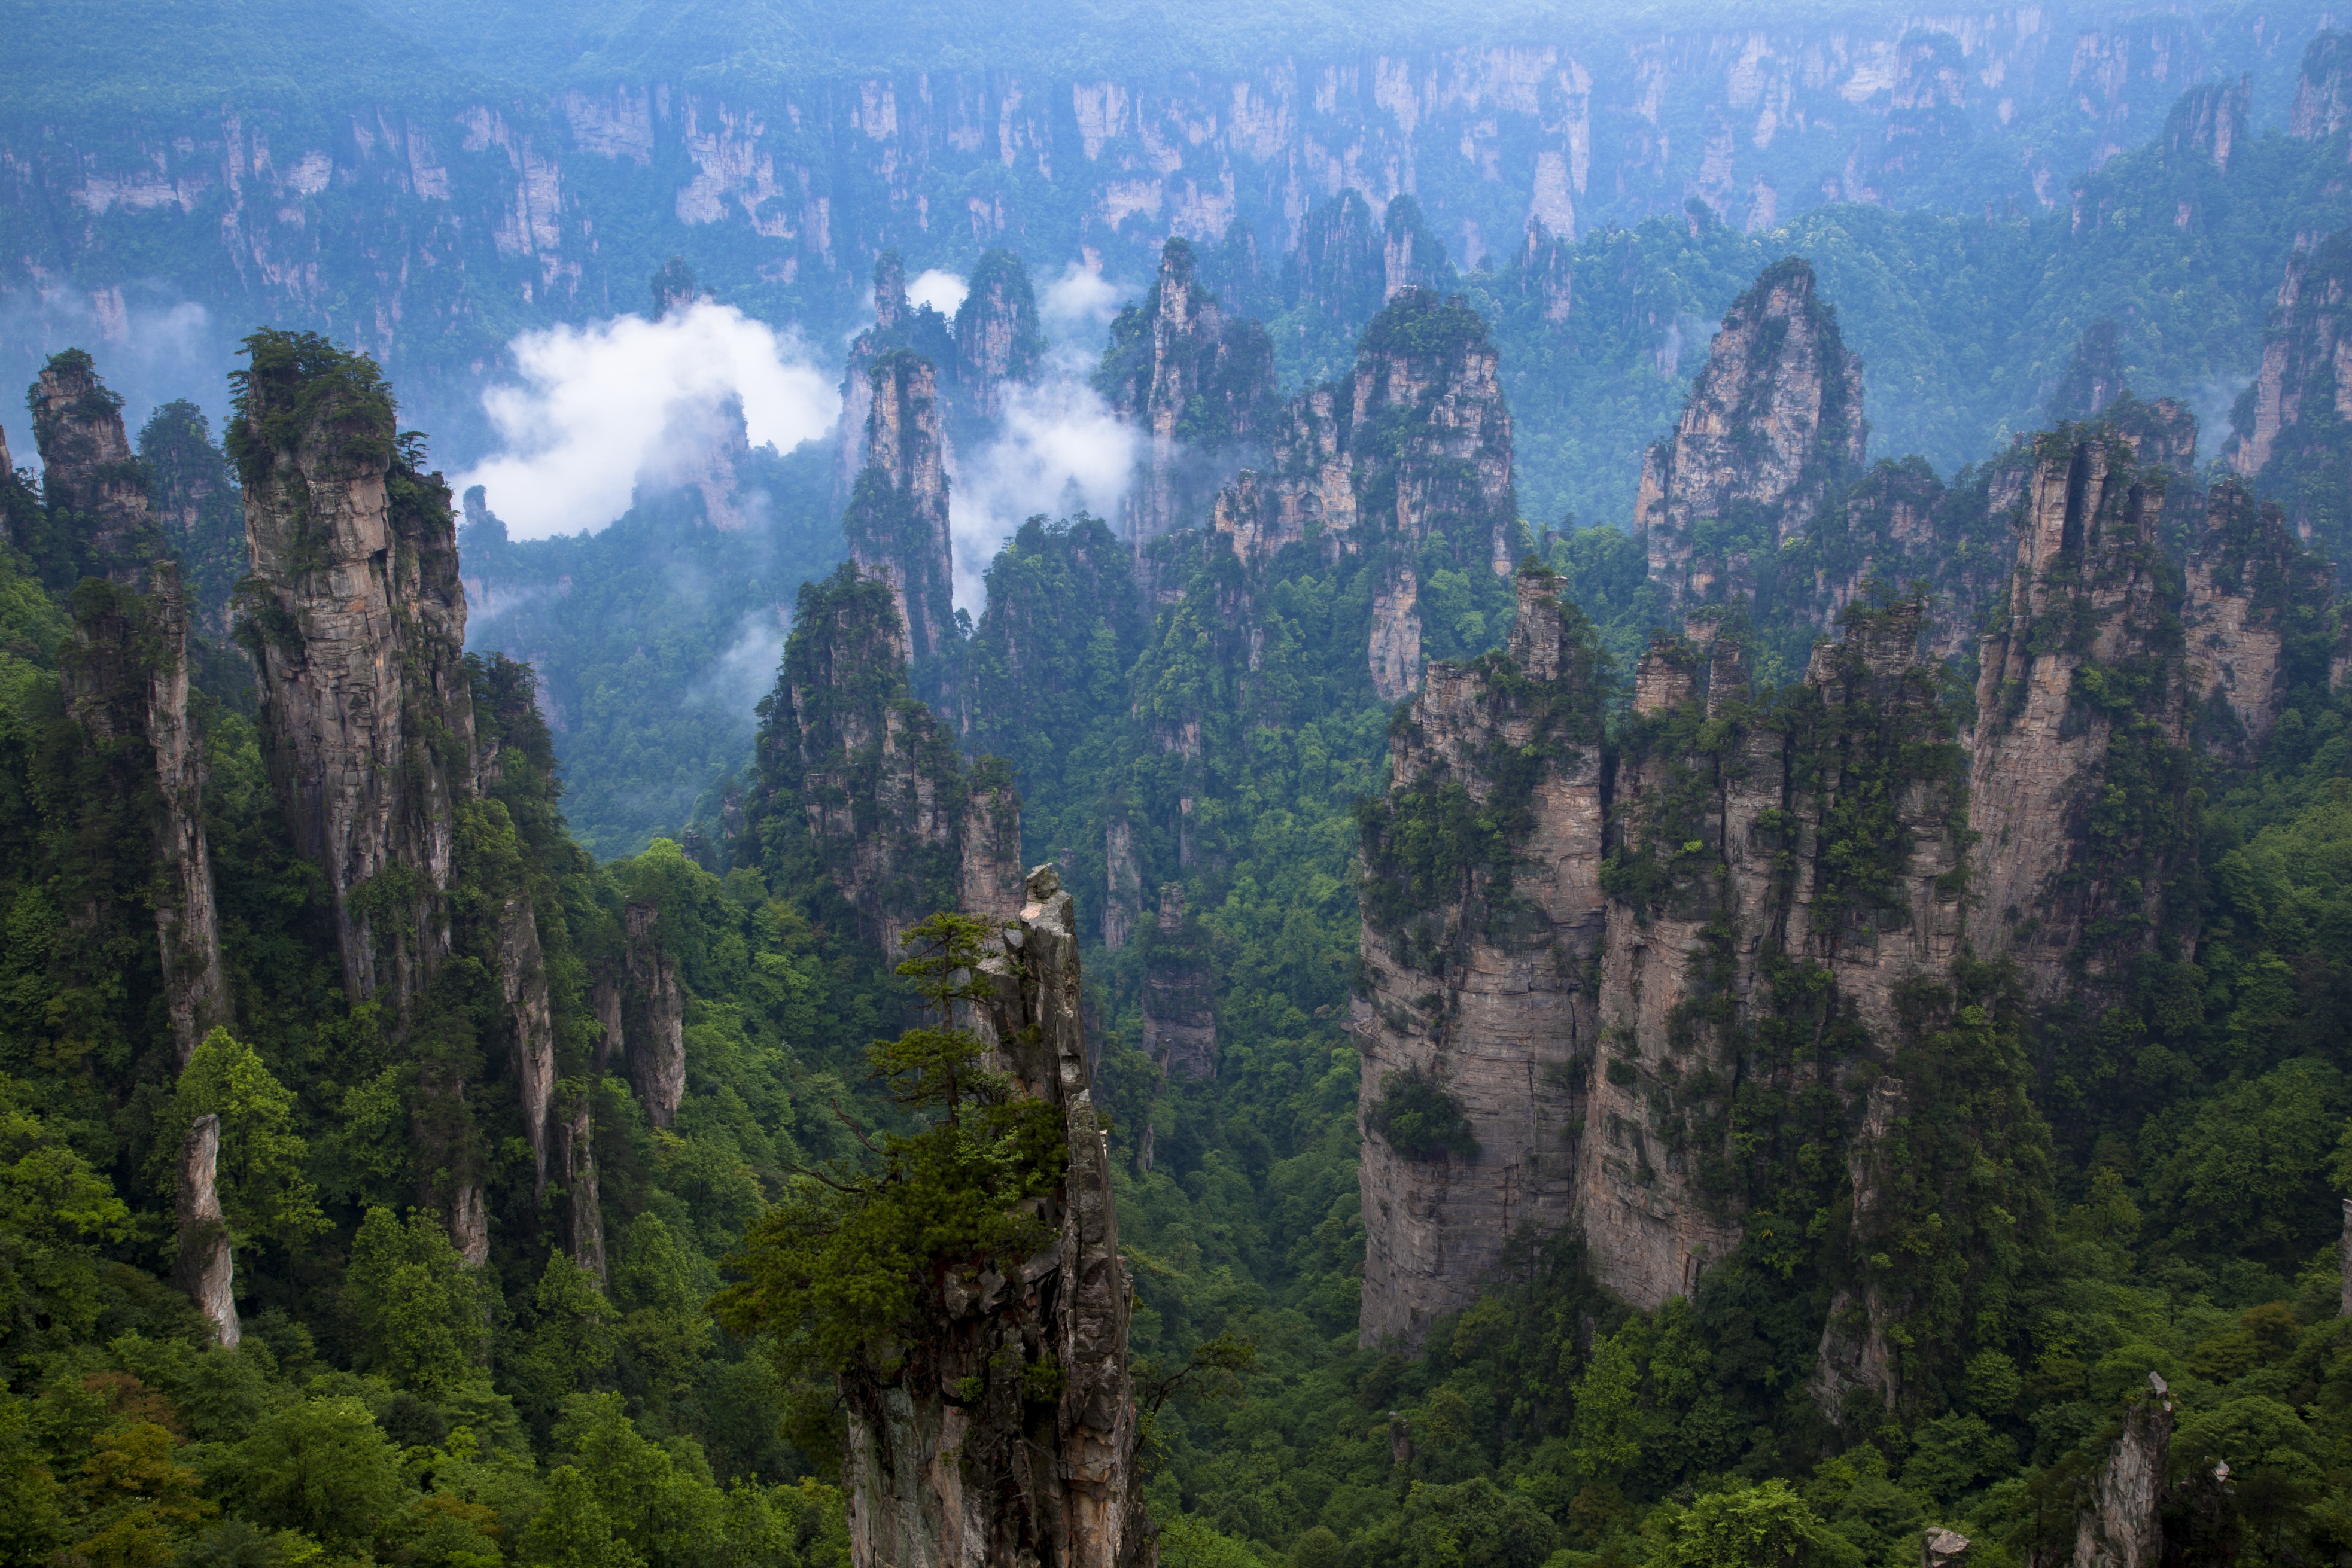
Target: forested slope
1802 1033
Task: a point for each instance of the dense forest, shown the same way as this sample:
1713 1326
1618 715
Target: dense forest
1538 957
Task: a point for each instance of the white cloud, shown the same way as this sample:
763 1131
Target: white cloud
941 290
1060 449
1076 309
595 403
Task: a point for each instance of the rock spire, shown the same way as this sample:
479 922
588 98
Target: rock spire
1772 432
1005 1478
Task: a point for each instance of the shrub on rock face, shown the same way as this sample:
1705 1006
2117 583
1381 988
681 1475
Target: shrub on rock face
1420 1120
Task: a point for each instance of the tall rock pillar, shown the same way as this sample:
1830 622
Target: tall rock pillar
126 675
1199 387
356 623
1772 432
995 1480
2087 605
896 521
204 1267
902 826
1479 1001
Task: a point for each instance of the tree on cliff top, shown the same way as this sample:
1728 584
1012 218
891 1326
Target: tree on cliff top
846 1270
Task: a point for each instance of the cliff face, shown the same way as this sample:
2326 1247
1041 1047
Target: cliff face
91 477
896 520
357 628
1411 256
1478 993
2289 427
204 1268
654 1015
195 496
2243 583
999 1480
355 622
1339 268
2122 1524
1413 447
1199 386
126 672
997 337
892 813
2210 121
1773 431
556 204
187 921
1818 832
2323 92
2081 679
1180 1020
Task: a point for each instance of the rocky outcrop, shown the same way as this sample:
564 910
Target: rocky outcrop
356 623
938 1477
896 520
1772 432
1547 270
195 496
92 482
1822 827
2289 429
2095 376
1199 386
2244 583
998 340
522 984
656 1019
2344 1309
2122 1522
1179 1019
1339 271
1410 256
1123 892
203 1268
126 672
2083 665
2323 92
1396 636
1857 1357
2209 120
575 1162
872 774
990 877
1415 444
1478 1000
187 921
898 323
